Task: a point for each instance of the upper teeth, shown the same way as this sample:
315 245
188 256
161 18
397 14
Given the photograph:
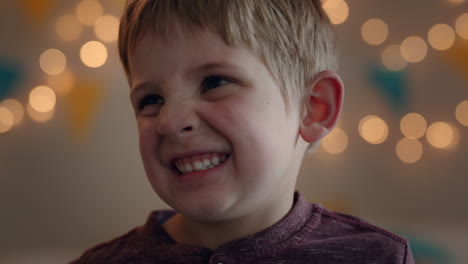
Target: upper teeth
198 163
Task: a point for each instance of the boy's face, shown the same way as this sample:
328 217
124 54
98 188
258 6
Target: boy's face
197 100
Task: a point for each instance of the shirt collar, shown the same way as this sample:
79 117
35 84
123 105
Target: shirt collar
262 241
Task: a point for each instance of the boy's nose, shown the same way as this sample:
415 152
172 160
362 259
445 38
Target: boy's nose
177 119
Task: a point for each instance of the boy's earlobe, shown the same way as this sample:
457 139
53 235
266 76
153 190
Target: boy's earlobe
323 105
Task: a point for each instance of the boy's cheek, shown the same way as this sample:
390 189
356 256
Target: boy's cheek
146 127
140 124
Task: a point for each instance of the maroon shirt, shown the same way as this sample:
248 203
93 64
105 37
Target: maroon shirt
309 233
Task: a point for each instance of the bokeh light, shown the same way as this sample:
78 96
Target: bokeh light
373 129
107 28
409 150
16 109
68 27
392 60
413 125
456 1
440 135
89 11
63 83
335 142
413 49
461 113
52 61
6 119
38 116
456 137
461 26
441 37
93 54
42 99
374 31
337 11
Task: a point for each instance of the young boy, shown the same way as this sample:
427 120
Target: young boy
229 95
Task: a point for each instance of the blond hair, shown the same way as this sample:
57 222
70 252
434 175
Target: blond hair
293 37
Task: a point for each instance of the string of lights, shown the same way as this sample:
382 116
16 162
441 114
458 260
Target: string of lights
61 79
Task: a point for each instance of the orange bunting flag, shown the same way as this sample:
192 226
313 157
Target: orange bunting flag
37 11
82 105
458 56
119 3
338 204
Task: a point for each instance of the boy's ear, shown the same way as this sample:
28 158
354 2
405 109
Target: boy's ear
323 103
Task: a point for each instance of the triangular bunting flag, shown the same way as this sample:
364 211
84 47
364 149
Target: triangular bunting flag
82 105
392 85
119 3
37 10
458 56
10 76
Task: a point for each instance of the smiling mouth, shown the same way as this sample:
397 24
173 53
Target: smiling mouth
199 162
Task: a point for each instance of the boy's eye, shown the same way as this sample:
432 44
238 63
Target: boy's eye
152 99
213 82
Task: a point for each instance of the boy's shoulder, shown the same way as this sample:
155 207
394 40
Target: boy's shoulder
113 251
102 253
130 247
345 224
351 237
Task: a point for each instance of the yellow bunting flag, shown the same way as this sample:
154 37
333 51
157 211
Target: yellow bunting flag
37 11
82 105
119 3
458 56
338 204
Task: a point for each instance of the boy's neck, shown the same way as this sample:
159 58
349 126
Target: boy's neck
213 235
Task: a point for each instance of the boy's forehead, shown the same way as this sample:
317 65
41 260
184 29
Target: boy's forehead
199 51
179 46
178 32
173 31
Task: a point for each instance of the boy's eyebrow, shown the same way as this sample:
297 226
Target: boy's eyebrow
225 64
140 86
203 68
213 65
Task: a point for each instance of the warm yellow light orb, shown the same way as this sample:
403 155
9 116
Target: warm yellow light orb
413 49
392 60
413 125
456 1
93 54
68 27
461 113
441 37
337 11
107 28
63 83
440 135
6 119
373 129
39 116
52 61
461 26
374 31
409 150
89 11
42 99
16 109
335 142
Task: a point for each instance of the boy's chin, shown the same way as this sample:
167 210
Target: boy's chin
212 208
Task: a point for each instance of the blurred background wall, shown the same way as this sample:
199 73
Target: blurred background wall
70 171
